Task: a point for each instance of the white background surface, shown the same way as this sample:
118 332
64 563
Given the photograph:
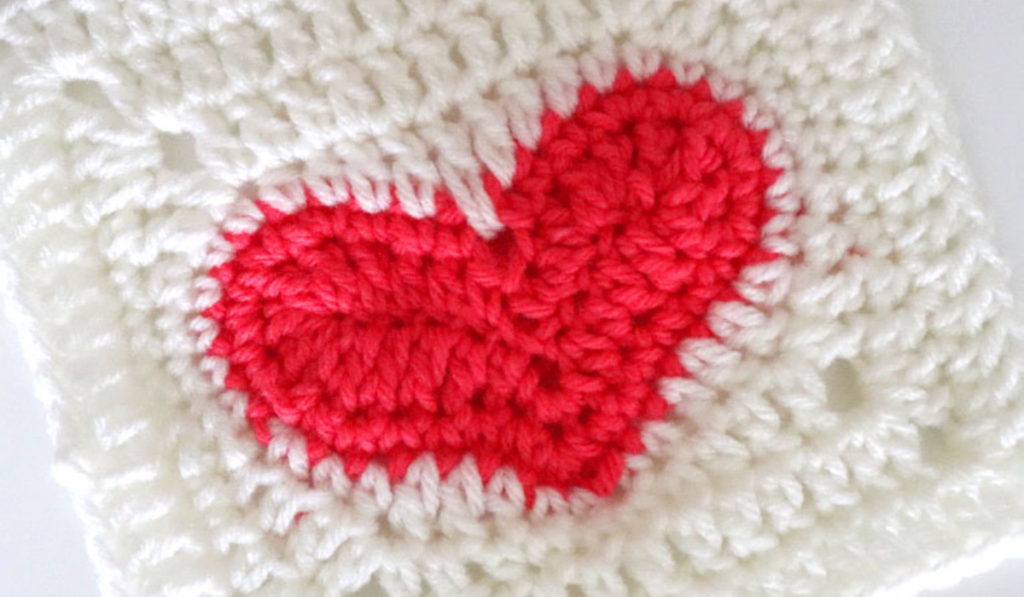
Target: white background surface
978 48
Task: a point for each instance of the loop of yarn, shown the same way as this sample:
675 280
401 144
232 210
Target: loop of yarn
381 337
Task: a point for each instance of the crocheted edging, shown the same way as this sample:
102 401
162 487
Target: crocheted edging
891 231
950 574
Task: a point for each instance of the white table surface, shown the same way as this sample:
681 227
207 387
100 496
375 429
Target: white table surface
978 46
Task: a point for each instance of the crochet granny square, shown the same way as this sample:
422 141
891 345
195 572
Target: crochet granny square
588 298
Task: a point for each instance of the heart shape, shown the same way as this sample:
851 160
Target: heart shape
380 336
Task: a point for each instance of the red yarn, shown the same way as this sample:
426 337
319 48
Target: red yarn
382 336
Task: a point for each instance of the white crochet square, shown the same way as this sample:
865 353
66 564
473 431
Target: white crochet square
856 428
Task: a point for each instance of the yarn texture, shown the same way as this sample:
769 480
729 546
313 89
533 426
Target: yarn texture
383 335
524 298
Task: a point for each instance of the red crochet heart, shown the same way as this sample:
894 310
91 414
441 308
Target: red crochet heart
380 336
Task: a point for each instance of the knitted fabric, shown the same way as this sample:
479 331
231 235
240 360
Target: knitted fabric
531 297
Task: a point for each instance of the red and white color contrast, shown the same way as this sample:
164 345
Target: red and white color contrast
529 298
382 335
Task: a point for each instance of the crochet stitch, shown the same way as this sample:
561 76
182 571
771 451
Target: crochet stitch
212 212
384 335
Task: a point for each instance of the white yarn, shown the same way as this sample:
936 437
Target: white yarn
858 424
